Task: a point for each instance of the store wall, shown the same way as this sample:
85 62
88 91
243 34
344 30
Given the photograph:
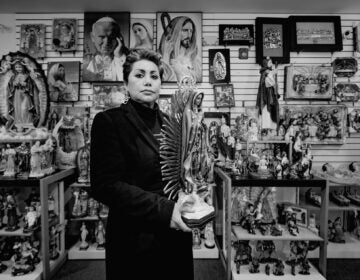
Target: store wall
244 73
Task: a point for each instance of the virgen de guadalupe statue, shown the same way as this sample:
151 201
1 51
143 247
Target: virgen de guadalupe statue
23 96
186 165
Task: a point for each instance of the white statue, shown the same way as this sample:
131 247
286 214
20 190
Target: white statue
84 245
35 161
10 154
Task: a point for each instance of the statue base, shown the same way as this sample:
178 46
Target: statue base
203 214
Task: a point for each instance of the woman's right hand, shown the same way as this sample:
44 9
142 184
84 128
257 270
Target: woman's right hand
176 220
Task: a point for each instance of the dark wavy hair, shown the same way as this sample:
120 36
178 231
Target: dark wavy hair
141 54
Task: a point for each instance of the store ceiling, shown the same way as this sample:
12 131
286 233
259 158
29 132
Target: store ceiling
214 6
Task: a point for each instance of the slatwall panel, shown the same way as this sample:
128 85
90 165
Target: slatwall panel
244 73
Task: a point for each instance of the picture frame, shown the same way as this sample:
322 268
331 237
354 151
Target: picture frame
347 92
164 102
142 33
325 124
219 66
243 53
32 40
99 64
345 66
315 33
354 120
356 38
64 37
308 82
236 34
63 79
108 95
272 39
224 95
169 27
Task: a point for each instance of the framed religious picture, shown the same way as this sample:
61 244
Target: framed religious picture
108 95
345 66
272 39
63 80
308 82
219 66
32 40
141 33
23 96
179 43
64 36
164 103
319 124
347 92
243 53
315 33
224 95
103 62
354 120
236 34
356 38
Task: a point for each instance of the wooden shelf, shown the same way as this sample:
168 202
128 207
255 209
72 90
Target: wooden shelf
246 275
348 250
332 207
87 218
18 232
305 234
35 275
246 181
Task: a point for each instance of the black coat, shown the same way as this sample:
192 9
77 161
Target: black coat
126 175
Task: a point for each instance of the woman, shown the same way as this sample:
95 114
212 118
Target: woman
142 36
145 235
60 89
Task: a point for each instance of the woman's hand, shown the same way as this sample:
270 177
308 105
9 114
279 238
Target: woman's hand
176 220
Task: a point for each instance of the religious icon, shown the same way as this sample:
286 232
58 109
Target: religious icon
32 40
64 34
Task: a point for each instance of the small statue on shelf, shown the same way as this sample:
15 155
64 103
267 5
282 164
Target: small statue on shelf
103 211
254 266
243 253
304 267
51 207
24 259
83 163
35 161
100 236
84 245
23 155
93 207
267 269
265 248
31 220
83 202
11 210
298 252
10 154
336 231
278 268
248 220
291 222
53 247
209 236
285 163
196 238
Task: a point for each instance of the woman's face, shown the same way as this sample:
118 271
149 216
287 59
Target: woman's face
144 82
198 100
19 68
61 71
139 31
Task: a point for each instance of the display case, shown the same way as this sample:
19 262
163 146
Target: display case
50 185
225 184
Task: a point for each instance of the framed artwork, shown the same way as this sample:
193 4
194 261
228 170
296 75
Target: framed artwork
354 120
224 95
272 39
24 96
236 34
141 33
319 124
316 33
179 43
164 103
308 82
356 38
345 66
63 80
347 92
104 62
243 53
219 66
108 95
32 40
64 37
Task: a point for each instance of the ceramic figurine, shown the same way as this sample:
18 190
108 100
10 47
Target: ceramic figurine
243 253
11 210
304 267
23 156
267 269
336 231
265 248
196 238
93 207
76 210
248 220
31 220
254 266
253 130
53 247
10 154
83 162
103 211
35 162
278 268
47 161
84 245
100 236
291 222
3 161
83 202
209 236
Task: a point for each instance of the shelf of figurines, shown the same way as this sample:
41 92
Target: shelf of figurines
34 275
268 261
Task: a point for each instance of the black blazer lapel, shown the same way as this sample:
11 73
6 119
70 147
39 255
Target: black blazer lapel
137 122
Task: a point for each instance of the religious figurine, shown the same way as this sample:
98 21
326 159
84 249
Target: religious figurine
267 269
291 222
23 155
10 154
253 130
47 166
336 231
84 245
100 236
93 207
243 253
196 238
209 236
35 162
278 268
103 211
83 202
3 160
293 269
263 163
11 210
53 120
267 97
265 248
248 220
24 259
312 224
31 220
285 163
2 210
83 162
304 267
76 210
254 266
53 247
